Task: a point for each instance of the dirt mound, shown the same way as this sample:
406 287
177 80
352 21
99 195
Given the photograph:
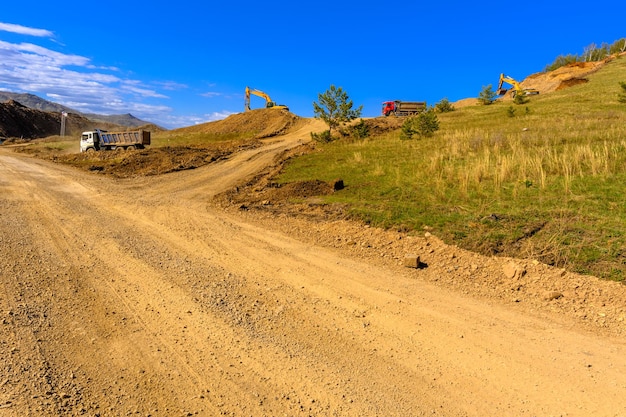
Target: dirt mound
18 121
466 102
563 77
547 82
261 123
379 125
153 161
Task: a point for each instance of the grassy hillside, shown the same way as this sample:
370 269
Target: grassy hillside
546 183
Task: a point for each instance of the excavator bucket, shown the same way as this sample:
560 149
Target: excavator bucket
501 91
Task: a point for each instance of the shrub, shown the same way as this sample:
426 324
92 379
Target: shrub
520 98
618 46
360 130
444 106
335 107
510 111
621 96
487 95
561 61
423 125
322 137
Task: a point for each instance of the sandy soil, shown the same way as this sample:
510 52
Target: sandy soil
149 296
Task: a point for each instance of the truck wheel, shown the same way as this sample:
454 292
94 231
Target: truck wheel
131 148
119 148
90 150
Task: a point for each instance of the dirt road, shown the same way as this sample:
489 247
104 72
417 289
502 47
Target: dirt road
138 297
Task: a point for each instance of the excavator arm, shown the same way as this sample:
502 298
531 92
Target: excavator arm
517 88
268 101
505 79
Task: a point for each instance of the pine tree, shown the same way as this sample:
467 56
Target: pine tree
335 107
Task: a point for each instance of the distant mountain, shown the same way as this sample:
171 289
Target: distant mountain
119 119
21 122
34 102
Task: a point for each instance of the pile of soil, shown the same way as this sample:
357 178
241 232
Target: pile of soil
563 77
152 161
379 125
18 121
261 123
546 82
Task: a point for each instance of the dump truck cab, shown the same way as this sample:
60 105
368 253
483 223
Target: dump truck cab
88 143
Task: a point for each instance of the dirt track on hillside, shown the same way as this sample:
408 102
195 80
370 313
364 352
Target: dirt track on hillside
142 297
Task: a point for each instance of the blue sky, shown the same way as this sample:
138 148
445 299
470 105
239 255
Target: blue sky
186 62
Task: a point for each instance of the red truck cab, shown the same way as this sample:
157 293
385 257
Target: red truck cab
389 107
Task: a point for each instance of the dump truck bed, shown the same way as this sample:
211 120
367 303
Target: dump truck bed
138 137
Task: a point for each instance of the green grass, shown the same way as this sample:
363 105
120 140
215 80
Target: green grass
548 183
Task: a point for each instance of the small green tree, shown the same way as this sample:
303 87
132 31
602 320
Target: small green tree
360 130
424 124
520 98
335 108
444 106
487 95
510 111
621 96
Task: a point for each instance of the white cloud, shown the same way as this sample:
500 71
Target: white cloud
23 30
211 94
172 85
73 80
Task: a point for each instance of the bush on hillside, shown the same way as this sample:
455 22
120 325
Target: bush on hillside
510 111
618 46
561 61
520 99
322 137
487 95
424 124
444 106
621 96
360 130
335 107
590 53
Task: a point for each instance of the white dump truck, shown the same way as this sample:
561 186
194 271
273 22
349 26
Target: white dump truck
100 140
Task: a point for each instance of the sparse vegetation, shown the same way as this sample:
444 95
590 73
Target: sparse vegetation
590 53
335 108
423 125
621 96
360 130
444 106
487 95
510 111
520 99
546 186
322 137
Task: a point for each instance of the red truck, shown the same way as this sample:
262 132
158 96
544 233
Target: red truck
403 108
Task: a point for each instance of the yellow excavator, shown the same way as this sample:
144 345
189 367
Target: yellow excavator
517 88
269 104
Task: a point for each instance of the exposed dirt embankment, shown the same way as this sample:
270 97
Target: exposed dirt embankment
262 123
20 123
566 76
